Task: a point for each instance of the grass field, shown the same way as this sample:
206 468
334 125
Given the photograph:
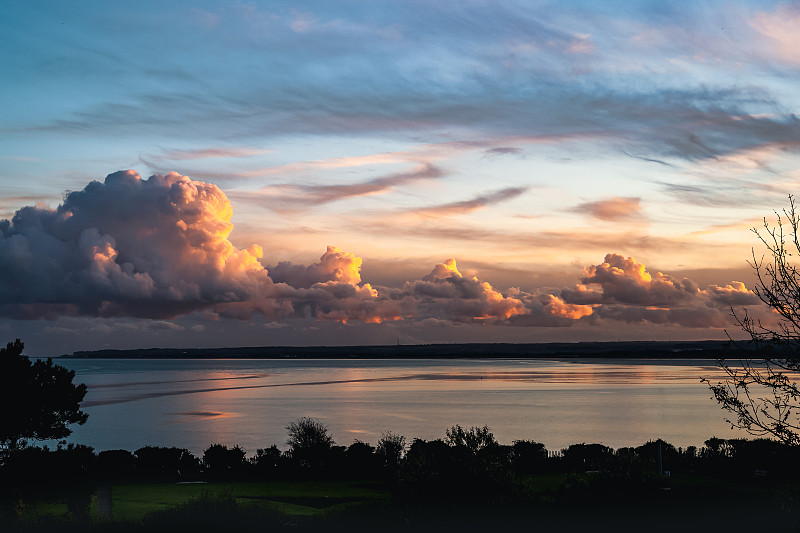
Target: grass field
551 499
301 498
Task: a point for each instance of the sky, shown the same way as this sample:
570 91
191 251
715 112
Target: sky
198 174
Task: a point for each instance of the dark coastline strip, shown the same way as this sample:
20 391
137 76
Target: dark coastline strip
609 350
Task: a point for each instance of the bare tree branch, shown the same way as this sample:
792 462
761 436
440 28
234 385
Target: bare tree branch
761 391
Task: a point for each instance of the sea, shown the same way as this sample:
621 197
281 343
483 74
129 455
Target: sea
249 402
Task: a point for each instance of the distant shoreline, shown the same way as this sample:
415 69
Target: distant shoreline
607 350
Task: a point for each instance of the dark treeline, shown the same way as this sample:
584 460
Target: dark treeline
627 349
424 463
468 467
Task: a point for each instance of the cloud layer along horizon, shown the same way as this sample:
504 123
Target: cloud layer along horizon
159 248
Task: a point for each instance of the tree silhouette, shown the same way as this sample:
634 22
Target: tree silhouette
390 450
166 463
474 438
528 456
309 442
221 461
39 399
761 392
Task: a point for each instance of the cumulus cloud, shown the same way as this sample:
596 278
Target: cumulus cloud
624 280
611 209
732 295
446 293
332 290
558 307
622 288
158 248
334 265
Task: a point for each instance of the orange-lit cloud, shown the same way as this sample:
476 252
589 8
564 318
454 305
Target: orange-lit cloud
611 209
446 294
128 246
733 294
624 280
159 247
334 265
558 307
443 271
623 289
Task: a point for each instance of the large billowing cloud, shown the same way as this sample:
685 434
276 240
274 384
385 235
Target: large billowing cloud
334 265
159 248
446 293
621 288
156 248
332 289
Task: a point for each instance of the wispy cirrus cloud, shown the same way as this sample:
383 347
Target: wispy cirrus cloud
204 153
468 206
287 196
735 193
7 201
779 29
523 241
499 71
739 226
333 163
502 150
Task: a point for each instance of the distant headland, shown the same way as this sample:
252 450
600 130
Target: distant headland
627 349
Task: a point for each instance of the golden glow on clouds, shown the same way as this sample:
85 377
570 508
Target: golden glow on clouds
160 248
558 307
445 270
344 267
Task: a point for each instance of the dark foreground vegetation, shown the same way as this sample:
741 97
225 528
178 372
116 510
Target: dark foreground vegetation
465 481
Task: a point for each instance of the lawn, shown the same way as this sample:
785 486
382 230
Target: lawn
132 502
554 499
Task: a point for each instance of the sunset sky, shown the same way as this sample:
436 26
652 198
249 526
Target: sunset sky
498 171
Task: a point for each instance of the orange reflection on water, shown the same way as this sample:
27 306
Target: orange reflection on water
210 410
198 403
192 416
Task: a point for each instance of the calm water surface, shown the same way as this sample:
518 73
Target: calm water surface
195 403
